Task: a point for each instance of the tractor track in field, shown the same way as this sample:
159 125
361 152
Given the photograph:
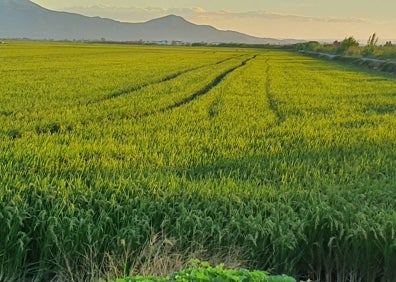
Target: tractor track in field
216 81
273 105
165 79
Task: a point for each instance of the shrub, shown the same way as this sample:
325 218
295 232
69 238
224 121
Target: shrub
347 44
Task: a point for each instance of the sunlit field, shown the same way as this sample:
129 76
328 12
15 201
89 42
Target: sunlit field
113 157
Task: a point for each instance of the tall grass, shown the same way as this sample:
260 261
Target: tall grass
285 164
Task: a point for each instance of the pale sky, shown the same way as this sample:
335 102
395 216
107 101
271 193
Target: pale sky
299 19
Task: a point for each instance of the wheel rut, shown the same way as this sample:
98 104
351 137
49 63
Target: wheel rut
216 81
273 104
169 77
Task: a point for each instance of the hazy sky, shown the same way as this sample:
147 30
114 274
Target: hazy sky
302 19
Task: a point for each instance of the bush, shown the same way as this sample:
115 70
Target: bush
347 44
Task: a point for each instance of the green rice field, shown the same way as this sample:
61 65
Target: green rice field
117 156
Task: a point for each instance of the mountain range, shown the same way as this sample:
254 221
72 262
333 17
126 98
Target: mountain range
25 19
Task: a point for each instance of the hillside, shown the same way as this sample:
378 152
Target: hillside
25 19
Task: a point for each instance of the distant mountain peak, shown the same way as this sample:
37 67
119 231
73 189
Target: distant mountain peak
173 16
170 18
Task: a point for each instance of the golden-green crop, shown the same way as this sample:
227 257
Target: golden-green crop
289 159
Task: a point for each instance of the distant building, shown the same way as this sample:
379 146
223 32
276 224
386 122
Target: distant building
162 42
178 43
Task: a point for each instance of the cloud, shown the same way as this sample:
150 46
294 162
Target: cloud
268 15
135 14
258 23
199 10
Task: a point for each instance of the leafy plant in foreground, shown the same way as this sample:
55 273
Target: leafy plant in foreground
203 271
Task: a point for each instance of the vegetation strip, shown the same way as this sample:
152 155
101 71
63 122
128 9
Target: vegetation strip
372 55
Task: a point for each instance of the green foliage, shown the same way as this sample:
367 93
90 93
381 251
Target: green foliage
347 45
288 160
309 46
204 272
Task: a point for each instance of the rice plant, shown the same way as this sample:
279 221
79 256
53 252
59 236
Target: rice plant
287 161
